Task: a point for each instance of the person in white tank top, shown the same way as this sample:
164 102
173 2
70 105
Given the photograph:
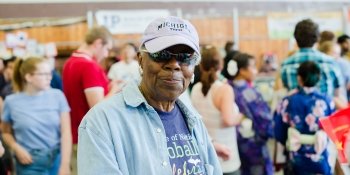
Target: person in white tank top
214 100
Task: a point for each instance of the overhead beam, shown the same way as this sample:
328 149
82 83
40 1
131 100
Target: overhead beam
182 1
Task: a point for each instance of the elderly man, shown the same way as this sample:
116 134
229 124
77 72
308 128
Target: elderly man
146 129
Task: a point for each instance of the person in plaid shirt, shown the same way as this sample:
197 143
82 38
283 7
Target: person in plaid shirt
306 34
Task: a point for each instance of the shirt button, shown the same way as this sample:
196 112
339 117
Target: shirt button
164 163
159 130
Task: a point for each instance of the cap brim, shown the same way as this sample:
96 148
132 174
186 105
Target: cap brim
161 43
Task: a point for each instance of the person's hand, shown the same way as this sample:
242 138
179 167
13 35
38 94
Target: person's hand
241 117
222 151
64 170
2 150
22 155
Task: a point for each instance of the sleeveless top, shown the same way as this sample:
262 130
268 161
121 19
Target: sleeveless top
213 122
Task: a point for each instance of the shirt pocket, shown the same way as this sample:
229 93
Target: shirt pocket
209 169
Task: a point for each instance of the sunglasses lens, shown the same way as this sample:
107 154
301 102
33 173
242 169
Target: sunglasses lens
183 58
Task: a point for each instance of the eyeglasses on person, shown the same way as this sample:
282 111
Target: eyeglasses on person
182 58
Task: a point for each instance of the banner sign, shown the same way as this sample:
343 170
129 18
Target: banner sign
282 25
128 21
337 127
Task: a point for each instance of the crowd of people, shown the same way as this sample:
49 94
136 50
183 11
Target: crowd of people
173 106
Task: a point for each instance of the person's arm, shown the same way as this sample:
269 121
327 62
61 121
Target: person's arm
96 151
222 150
22 155
93 82
96 94
340 103
225 104
280 128
66 144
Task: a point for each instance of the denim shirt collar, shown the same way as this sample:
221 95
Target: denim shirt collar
134 98
132 95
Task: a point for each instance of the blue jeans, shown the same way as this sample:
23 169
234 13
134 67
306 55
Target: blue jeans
45 162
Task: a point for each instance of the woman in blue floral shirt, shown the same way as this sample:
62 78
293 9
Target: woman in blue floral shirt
256 127
297 124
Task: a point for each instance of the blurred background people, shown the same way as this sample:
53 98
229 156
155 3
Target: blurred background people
6 88
36 121
256 127
344 42
270 65
214 100
128 68
307 34
298 114
333 49
85 82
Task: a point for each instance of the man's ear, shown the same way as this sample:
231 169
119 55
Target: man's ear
139 59
28 77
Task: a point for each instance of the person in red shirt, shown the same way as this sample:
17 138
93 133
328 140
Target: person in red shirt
85 82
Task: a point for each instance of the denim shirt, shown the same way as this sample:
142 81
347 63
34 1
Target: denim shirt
124 135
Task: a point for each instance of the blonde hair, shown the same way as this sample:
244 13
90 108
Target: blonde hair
98 33
23 67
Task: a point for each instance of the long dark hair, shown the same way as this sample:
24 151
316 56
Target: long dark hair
209 65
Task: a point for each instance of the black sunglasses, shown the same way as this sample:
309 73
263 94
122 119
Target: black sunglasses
182 58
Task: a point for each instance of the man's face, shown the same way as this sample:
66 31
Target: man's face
345 46
166 80
8 71
249 73
101 49
129 52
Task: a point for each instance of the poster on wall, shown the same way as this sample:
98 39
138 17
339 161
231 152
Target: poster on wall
18 39
281 25
128 21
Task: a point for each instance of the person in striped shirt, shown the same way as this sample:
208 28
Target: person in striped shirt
307 34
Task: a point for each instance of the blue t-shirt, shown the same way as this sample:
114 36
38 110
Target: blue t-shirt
182 149
36 119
